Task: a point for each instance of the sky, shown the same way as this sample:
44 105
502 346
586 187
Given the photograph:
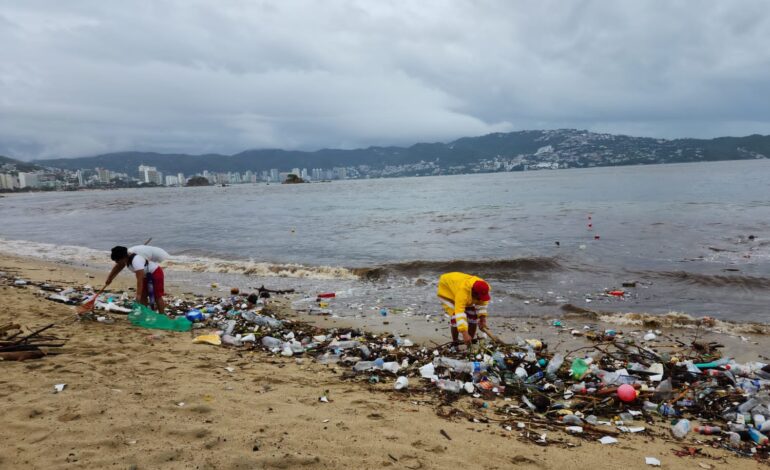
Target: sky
81 78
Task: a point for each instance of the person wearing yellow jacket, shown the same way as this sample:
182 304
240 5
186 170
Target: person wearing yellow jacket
465 299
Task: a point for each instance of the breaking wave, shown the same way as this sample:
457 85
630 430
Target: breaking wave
488 268
718 280
668 320
82 255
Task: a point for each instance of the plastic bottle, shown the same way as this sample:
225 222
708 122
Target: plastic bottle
734 438
379 362
650 407
456 365
757 437
748 405
578 388
765 426
363 365
345 344
739 369
427 371
271 343
392 367
499 359
736 427
748 385
452 386
554 365
680 429
537 376
708 430
758 419
521 373
401 383
571 419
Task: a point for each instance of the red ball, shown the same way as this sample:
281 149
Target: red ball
626 393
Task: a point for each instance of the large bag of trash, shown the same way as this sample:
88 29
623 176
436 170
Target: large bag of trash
146 318
151 253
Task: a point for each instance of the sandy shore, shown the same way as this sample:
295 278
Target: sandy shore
138 398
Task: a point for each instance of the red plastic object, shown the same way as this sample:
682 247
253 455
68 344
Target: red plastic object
327 295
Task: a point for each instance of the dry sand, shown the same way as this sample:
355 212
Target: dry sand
145 399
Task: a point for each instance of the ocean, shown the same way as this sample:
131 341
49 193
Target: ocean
691 238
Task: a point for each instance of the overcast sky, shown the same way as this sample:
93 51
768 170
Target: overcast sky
81 78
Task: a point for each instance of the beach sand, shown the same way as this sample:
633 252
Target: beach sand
144 399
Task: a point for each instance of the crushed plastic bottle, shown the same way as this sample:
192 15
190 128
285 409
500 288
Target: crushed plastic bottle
452 386
271 343
680 429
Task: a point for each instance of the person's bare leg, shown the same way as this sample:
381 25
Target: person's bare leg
161 304
454 334
472 330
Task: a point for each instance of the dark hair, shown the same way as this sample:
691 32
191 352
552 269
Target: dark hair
118 253
252 298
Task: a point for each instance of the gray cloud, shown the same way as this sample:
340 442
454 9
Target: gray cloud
86 77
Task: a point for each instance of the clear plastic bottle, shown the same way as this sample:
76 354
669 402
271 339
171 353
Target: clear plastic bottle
452 386
554 365
271 343
748 405
391 367
680 429
734 438
363 366
571 419
456 365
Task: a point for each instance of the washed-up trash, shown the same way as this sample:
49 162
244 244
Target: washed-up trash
59 388
652 461
215 340
401 383
146 318
680 429
608 440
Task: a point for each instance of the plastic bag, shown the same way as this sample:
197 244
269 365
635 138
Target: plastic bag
146 318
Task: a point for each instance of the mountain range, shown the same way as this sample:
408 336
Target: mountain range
564 148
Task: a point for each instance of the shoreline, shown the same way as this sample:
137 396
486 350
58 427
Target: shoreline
152 399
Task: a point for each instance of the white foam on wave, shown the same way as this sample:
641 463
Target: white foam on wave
80 254
683 320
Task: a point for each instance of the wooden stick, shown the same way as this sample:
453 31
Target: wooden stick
21 355
492 336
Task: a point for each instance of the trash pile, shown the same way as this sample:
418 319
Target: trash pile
615 385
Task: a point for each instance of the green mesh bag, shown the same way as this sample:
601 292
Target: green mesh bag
146 318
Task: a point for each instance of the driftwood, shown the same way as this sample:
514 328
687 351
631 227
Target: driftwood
21 355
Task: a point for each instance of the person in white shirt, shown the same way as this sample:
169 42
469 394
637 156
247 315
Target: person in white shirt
143 261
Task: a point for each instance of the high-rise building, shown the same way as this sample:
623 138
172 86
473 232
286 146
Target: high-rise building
104 175
274 176
79 175
181 178
150 174
8 181
172 180
28 180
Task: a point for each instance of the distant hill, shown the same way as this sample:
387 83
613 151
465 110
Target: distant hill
19 165
563 148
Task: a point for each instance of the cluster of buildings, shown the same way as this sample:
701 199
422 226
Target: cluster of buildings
60 179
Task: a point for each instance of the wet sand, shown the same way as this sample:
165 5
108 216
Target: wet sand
138 398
